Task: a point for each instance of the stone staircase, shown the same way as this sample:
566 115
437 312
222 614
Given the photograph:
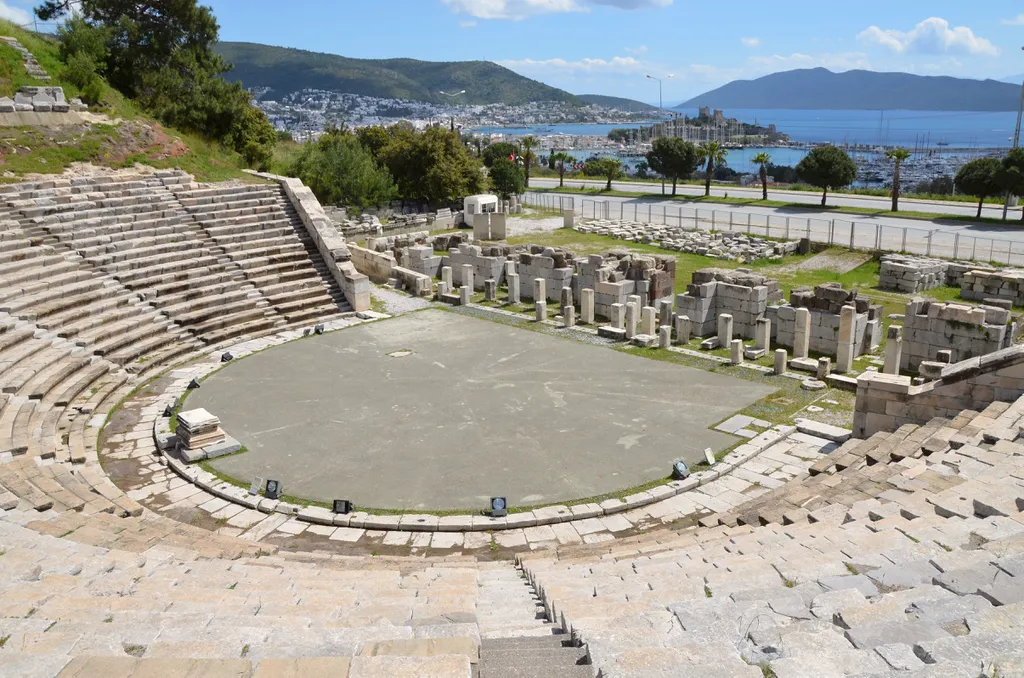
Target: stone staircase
919 579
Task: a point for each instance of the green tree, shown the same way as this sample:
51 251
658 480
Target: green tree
711 155
673 158
339 169
763 160
562 162
980 178
642 169
502 149
827 167
253 136
528 143
374 138
1011 174
507 178
897 155
609 168
433 165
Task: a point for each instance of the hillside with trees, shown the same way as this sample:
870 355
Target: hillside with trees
618 103
286 70
821 89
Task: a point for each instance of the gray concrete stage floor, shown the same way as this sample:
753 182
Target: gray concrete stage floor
478 409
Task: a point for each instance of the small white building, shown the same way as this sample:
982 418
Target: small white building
479 204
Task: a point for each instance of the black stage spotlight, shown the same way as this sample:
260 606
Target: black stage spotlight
194 384
342 506
306 332
499 507
169 410
226 357
319 329
273 489
680 471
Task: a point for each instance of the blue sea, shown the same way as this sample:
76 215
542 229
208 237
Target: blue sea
937 132
912 129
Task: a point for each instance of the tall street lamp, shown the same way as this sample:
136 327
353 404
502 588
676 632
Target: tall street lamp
1016 143
661 111
452 95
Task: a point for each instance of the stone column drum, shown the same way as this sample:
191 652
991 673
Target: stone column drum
893 349
587 306
802 334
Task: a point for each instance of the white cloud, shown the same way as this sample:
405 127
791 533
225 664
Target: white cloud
14 14
467 24
1015 21
931 36
522 9
642 49
751 42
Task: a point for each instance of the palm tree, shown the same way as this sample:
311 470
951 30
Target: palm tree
897 155
763 159
712 155
528 144
562 162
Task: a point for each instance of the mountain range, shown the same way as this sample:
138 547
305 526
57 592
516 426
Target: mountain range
819 88
286 70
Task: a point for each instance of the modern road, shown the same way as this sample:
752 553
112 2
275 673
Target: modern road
942 238
812 199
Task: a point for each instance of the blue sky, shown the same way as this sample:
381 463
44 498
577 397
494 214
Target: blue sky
608 46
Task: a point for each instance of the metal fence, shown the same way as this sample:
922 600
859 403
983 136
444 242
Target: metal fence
852 234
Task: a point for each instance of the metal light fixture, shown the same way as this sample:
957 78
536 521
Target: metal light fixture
273 489
256 487
680 471
226 357
194 384
499 507
169 410
319 329
342 507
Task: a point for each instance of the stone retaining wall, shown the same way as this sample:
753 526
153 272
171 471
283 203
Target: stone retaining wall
1007 284
887 401
965 331
616 276
554 266
330 244
487 264
741 293
909 274
825 304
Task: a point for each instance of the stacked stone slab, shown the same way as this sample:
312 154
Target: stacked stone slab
1006 284
965 331
910 274
198 428
554 266
40 100
616 276
721 245
741 293
488 264
825 304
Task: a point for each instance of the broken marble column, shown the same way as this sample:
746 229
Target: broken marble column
665 336
802 333
631 313
540 289
467 275
541 308
648 320
635 299
724 330
736 346
442 289
762 334
893 349
824 368
847 337
683 329
618 316
587 306
664 312
566 297
513 287
569 316
465 294
446 276
781 361
490 290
